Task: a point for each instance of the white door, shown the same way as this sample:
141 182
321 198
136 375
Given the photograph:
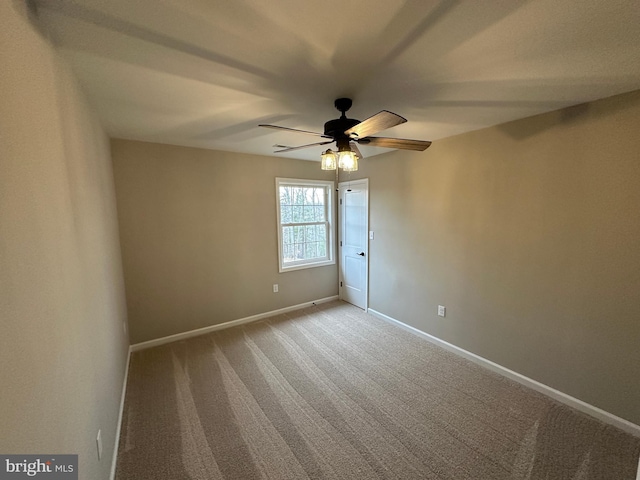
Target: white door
353 244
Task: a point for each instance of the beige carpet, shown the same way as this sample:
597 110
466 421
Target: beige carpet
331 392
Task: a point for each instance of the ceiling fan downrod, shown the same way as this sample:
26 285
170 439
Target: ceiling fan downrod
343 105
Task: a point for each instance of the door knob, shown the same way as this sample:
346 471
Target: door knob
361 254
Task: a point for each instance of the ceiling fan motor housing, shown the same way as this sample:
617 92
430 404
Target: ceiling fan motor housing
336 128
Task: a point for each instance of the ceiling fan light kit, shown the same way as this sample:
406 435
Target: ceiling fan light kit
328 160
348 161
348 132
345 160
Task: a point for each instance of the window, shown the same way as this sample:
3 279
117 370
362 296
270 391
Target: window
305 223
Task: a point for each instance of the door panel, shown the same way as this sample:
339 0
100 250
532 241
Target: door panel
354 247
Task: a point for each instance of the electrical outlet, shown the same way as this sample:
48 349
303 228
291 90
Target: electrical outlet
99 444
442 311
275 288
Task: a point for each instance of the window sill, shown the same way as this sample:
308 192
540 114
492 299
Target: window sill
291 268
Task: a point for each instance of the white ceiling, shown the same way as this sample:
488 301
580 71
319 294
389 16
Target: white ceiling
205 73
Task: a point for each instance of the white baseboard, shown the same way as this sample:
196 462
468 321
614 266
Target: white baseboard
114 460
212 328
573 402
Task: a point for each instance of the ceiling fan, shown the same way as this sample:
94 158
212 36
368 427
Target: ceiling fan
348 132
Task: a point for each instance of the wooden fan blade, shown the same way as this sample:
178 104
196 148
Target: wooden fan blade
291 149
372 125
401 143
295 130
354 148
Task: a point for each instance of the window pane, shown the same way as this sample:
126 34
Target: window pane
287 253
287 235
308 214
321 236
304 242
297 215
311 250
286 215
302 204
310 233
285 196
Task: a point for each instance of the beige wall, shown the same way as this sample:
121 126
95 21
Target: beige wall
529 234
199 238
62 307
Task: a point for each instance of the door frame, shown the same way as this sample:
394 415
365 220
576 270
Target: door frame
365 182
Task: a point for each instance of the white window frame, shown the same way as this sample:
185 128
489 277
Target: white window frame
329 187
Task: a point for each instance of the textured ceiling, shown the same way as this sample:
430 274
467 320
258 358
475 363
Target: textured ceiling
205 73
